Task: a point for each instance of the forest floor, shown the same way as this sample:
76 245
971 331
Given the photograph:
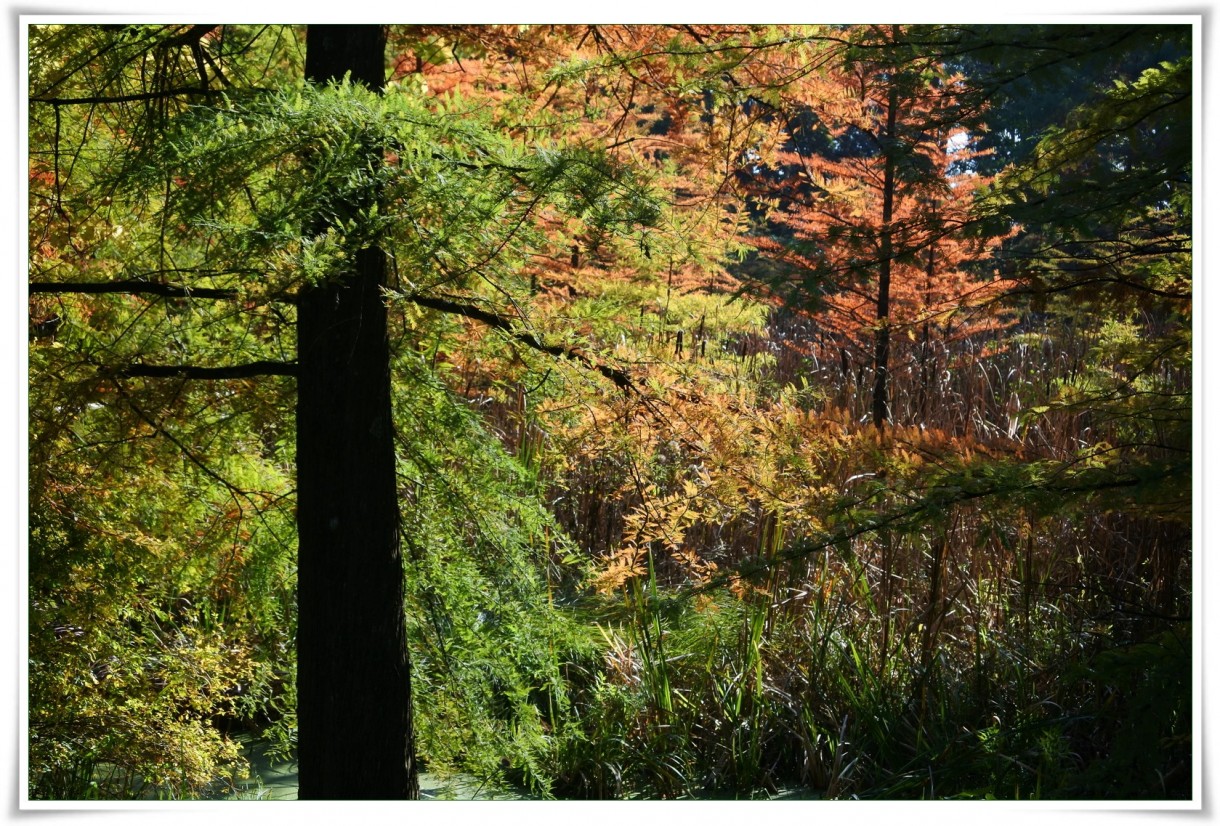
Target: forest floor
278 781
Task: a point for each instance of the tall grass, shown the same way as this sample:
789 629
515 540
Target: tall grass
988 647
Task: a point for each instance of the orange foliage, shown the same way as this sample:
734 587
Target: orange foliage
894 140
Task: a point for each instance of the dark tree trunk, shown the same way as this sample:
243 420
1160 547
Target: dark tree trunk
353 679
881 360
925 344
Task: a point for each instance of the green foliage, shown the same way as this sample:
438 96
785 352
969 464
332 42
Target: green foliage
718 583
429 180
162 595
1125 149
488 643
1138 720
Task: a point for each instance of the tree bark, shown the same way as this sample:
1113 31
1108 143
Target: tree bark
355 737
881 358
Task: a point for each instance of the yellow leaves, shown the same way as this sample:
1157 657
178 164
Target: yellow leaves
623 566
826 587
690 488
742 588
737 587
698 568
663 521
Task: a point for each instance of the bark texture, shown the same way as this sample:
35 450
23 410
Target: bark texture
353 681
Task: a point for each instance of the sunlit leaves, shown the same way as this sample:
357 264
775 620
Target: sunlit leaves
151 589
789 587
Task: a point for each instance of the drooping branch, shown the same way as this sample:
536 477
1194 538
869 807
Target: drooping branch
235 492
1043 290
621 378
938 500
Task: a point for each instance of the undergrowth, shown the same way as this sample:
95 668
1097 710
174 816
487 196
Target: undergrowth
783 596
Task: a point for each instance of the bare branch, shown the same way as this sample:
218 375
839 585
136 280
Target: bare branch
131 98
188 371
621 378
131 288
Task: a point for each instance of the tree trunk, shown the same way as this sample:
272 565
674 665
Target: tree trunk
881 359
353 679
925 343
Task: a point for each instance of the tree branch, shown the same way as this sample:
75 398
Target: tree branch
187 371
1086 282
131 288
131 98
234 491
621 378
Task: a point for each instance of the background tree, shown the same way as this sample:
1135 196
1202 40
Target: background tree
1105 256
1032 76
147 606
872 215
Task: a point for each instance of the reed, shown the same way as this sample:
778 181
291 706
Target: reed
785 596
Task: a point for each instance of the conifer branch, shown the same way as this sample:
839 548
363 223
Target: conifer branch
621 378
937 500
1077 284
159 427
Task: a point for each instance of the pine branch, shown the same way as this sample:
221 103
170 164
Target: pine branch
1069 286
938 500
159 427
621 378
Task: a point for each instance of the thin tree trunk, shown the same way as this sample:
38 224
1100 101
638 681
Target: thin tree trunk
881 359
353 679
925 347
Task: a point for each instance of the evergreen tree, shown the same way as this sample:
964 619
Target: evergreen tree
872 225
284 207
353 671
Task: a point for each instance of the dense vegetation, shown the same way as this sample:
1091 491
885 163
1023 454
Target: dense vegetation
773 407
